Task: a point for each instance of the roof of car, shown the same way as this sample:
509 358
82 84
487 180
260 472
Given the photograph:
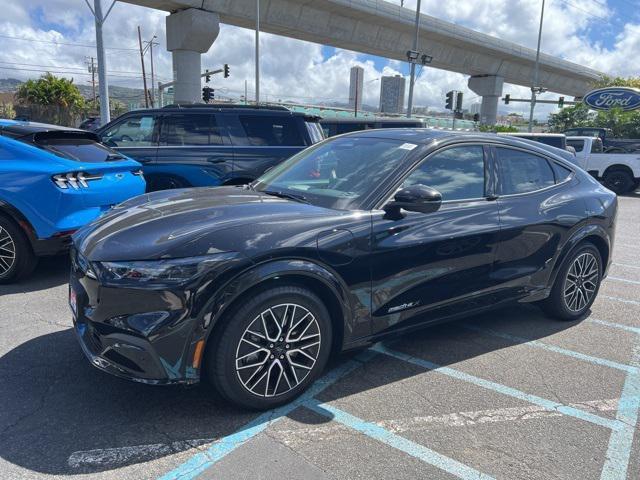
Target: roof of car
222 107
18 128
409 121
532 134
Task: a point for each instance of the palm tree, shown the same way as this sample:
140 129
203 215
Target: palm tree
51 98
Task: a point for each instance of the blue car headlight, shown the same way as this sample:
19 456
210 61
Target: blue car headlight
164 272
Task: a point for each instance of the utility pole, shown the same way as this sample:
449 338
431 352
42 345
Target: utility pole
245 92
535 87
149 45
92 70
105 115
413 63
144 76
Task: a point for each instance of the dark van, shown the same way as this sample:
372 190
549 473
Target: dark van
338 126
209 145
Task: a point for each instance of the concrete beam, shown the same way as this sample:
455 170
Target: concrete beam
380 28
490 88
190 33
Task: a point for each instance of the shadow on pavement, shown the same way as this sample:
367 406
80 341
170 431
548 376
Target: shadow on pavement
54 403
50 272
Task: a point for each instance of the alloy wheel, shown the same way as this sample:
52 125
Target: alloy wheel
7 252
278 350
581 282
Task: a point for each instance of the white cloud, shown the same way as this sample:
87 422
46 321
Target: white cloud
296 70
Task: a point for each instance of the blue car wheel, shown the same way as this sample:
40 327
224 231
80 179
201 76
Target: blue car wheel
16 256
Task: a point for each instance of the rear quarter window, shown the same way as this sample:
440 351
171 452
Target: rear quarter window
79 150
266 130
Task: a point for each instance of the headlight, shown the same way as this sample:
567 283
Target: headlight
158 272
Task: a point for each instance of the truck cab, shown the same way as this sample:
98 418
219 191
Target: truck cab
619 172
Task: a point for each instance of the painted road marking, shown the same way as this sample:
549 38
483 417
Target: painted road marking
618 279
551 348
447 420
622 300
614 325
625 265
400 443
621 441
499 388
222 447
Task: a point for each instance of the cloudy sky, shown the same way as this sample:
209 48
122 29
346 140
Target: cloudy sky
57 36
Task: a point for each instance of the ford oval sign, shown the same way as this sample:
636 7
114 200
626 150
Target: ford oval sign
613 97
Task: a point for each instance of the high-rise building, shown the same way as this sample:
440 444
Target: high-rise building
355 87
392 94
475 108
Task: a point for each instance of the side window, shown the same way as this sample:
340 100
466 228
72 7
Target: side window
133 131
577 144
457 173
596 146
561 173
522 172
190 130
264 130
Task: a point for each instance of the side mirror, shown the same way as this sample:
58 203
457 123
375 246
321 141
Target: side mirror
416 198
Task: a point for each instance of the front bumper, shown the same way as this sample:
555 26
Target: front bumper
139 335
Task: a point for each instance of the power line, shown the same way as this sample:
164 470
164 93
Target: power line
64 72
61 66
65 43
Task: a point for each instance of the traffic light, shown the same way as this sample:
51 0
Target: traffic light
449 104
207 94
507 98
459 102
560 102
207 77
226 70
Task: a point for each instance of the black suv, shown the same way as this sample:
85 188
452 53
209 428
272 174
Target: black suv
208 145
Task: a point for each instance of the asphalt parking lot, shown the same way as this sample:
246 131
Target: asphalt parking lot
506 395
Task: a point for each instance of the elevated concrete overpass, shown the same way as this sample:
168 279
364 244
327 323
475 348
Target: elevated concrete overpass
375 27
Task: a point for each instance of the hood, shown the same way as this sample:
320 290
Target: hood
197 221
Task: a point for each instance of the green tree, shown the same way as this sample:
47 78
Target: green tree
574 116
51 90
497 128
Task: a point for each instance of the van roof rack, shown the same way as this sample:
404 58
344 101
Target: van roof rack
227 105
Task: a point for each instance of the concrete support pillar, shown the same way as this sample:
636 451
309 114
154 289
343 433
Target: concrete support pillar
490 88
190 33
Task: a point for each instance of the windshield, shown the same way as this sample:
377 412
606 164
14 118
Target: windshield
340 173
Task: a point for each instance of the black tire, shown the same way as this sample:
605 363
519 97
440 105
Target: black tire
230 349
619 181
560 304
17 260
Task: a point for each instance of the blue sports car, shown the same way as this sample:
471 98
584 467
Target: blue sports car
54 180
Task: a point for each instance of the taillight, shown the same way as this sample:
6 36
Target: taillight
75 180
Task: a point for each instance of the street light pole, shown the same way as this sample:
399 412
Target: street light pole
257 52
535 86
413 63
102 61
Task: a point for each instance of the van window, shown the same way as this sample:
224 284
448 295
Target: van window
133 131
265 130
190 130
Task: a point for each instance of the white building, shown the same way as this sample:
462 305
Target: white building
356 83
392 94
475 108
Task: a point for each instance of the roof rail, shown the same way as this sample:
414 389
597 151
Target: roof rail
227 105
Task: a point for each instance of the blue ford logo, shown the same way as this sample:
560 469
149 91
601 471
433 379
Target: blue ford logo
613 97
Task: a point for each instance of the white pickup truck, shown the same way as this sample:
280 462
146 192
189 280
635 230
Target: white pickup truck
619 172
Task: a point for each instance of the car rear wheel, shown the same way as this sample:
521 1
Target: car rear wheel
271 348
576 285
619 181
17 260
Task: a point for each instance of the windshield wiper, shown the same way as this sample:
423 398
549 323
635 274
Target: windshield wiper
287 195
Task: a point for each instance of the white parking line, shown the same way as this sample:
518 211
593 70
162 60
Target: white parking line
119 456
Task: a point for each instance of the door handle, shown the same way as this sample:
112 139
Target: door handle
144 159
217 160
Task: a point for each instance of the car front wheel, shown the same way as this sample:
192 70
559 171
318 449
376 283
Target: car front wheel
271 348
576 285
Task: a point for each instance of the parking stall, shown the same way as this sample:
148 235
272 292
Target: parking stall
507 394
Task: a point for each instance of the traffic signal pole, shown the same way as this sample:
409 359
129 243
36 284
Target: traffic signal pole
535 89
412 78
